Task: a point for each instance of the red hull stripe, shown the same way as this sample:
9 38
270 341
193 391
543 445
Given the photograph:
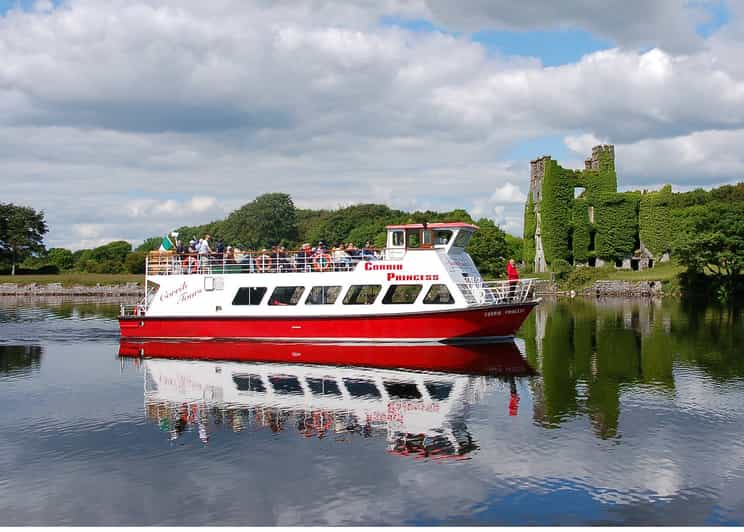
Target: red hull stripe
484 322
501 358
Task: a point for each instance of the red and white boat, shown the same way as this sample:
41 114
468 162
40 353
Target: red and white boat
422 286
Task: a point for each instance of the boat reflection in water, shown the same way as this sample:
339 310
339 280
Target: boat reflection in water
414 396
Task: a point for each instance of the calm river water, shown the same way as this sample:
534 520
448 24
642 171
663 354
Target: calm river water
615 412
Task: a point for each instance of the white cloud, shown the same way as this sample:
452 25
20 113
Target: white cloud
107 110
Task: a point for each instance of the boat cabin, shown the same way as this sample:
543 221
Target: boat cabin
452 237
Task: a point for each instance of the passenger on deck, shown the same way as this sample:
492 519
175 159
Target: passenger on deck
304 257
341 260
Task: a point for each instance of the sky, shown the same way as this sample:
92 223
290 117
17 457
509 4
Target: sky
124 119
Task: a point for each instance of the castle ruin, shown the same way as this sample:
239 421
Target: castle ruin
579 217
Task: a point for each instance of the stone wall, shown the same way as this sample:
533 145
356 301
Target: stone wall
56 289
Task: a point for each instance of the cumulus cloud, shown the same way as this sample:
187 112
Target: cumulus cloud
180 112
634 23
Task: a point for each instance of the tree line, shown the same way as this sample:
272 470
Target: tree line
272 219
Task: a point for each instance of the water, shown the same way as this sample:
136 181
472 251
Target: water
635 416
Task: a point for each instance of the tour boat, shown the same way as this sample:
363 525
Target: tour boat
423 286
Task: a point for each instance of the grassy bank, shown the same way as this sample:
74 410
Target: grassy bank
75 279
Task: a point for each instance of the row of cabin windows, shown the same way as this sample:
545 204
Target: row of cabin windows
360 388
358 294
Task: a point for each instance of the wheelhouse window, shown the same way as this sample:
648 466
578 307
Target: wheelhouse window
362 294
462 239
398 238
413 239
402 294
438 294
286 295
249 295
442 237
323 295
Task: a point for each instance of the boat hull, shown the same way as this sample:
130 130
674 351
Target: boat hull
494 359
482 322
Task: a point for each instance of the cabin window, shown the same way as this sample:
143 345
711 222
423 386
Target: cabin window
286 295
323 295
401 294
249 383
413 239
249 295
426 238
442 237
325 386
462 239
288 384
362 294
438 294
361 388
398 238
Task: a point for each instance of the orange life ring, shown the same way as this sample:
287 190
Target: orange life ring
322 262
263 263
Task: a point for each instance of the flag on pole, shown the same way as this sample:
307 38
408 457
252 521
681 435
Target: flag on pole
166 244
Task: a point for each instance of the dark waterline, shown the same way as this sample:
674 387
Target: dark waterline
635 416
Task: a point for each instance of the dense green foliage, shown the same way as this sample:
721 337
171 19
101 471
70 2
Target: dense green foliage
60 257
109 258
488 249
710 239
269 220
616 219
581 230
655 220
22 231
555 212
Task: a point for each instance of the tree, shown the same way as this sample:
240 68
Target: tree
108 258
22 231
268 220
60 257
488 249
135 262
710 238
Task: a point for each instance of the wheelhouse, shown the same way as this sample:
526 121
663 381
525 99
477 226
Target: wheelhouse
449 237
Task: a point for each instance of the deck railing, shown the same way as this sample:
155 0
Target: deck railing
498 292
158 263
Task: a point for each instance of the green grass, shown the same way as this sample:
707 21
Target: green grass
76 278
666 271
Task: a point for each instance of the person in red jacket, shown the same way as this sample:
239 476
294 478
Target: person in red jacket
513 275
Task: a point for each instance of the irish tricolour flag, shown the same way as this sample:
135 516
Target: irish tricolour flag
167 243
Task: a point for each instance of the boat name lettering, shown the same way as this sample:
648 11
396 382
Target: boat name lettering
173 292
413 277
185 298
368 266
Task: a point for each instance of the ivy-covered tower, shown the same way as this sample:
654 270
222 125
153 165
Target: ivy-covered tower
577 216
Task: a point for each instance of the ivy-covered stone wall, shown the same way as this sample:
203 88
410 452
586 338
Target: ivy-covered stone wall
655 220
581 230
555 212
600 222
616 219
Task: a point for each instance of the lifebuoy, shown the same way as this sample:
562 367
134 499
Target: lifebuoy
322 262
263 263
